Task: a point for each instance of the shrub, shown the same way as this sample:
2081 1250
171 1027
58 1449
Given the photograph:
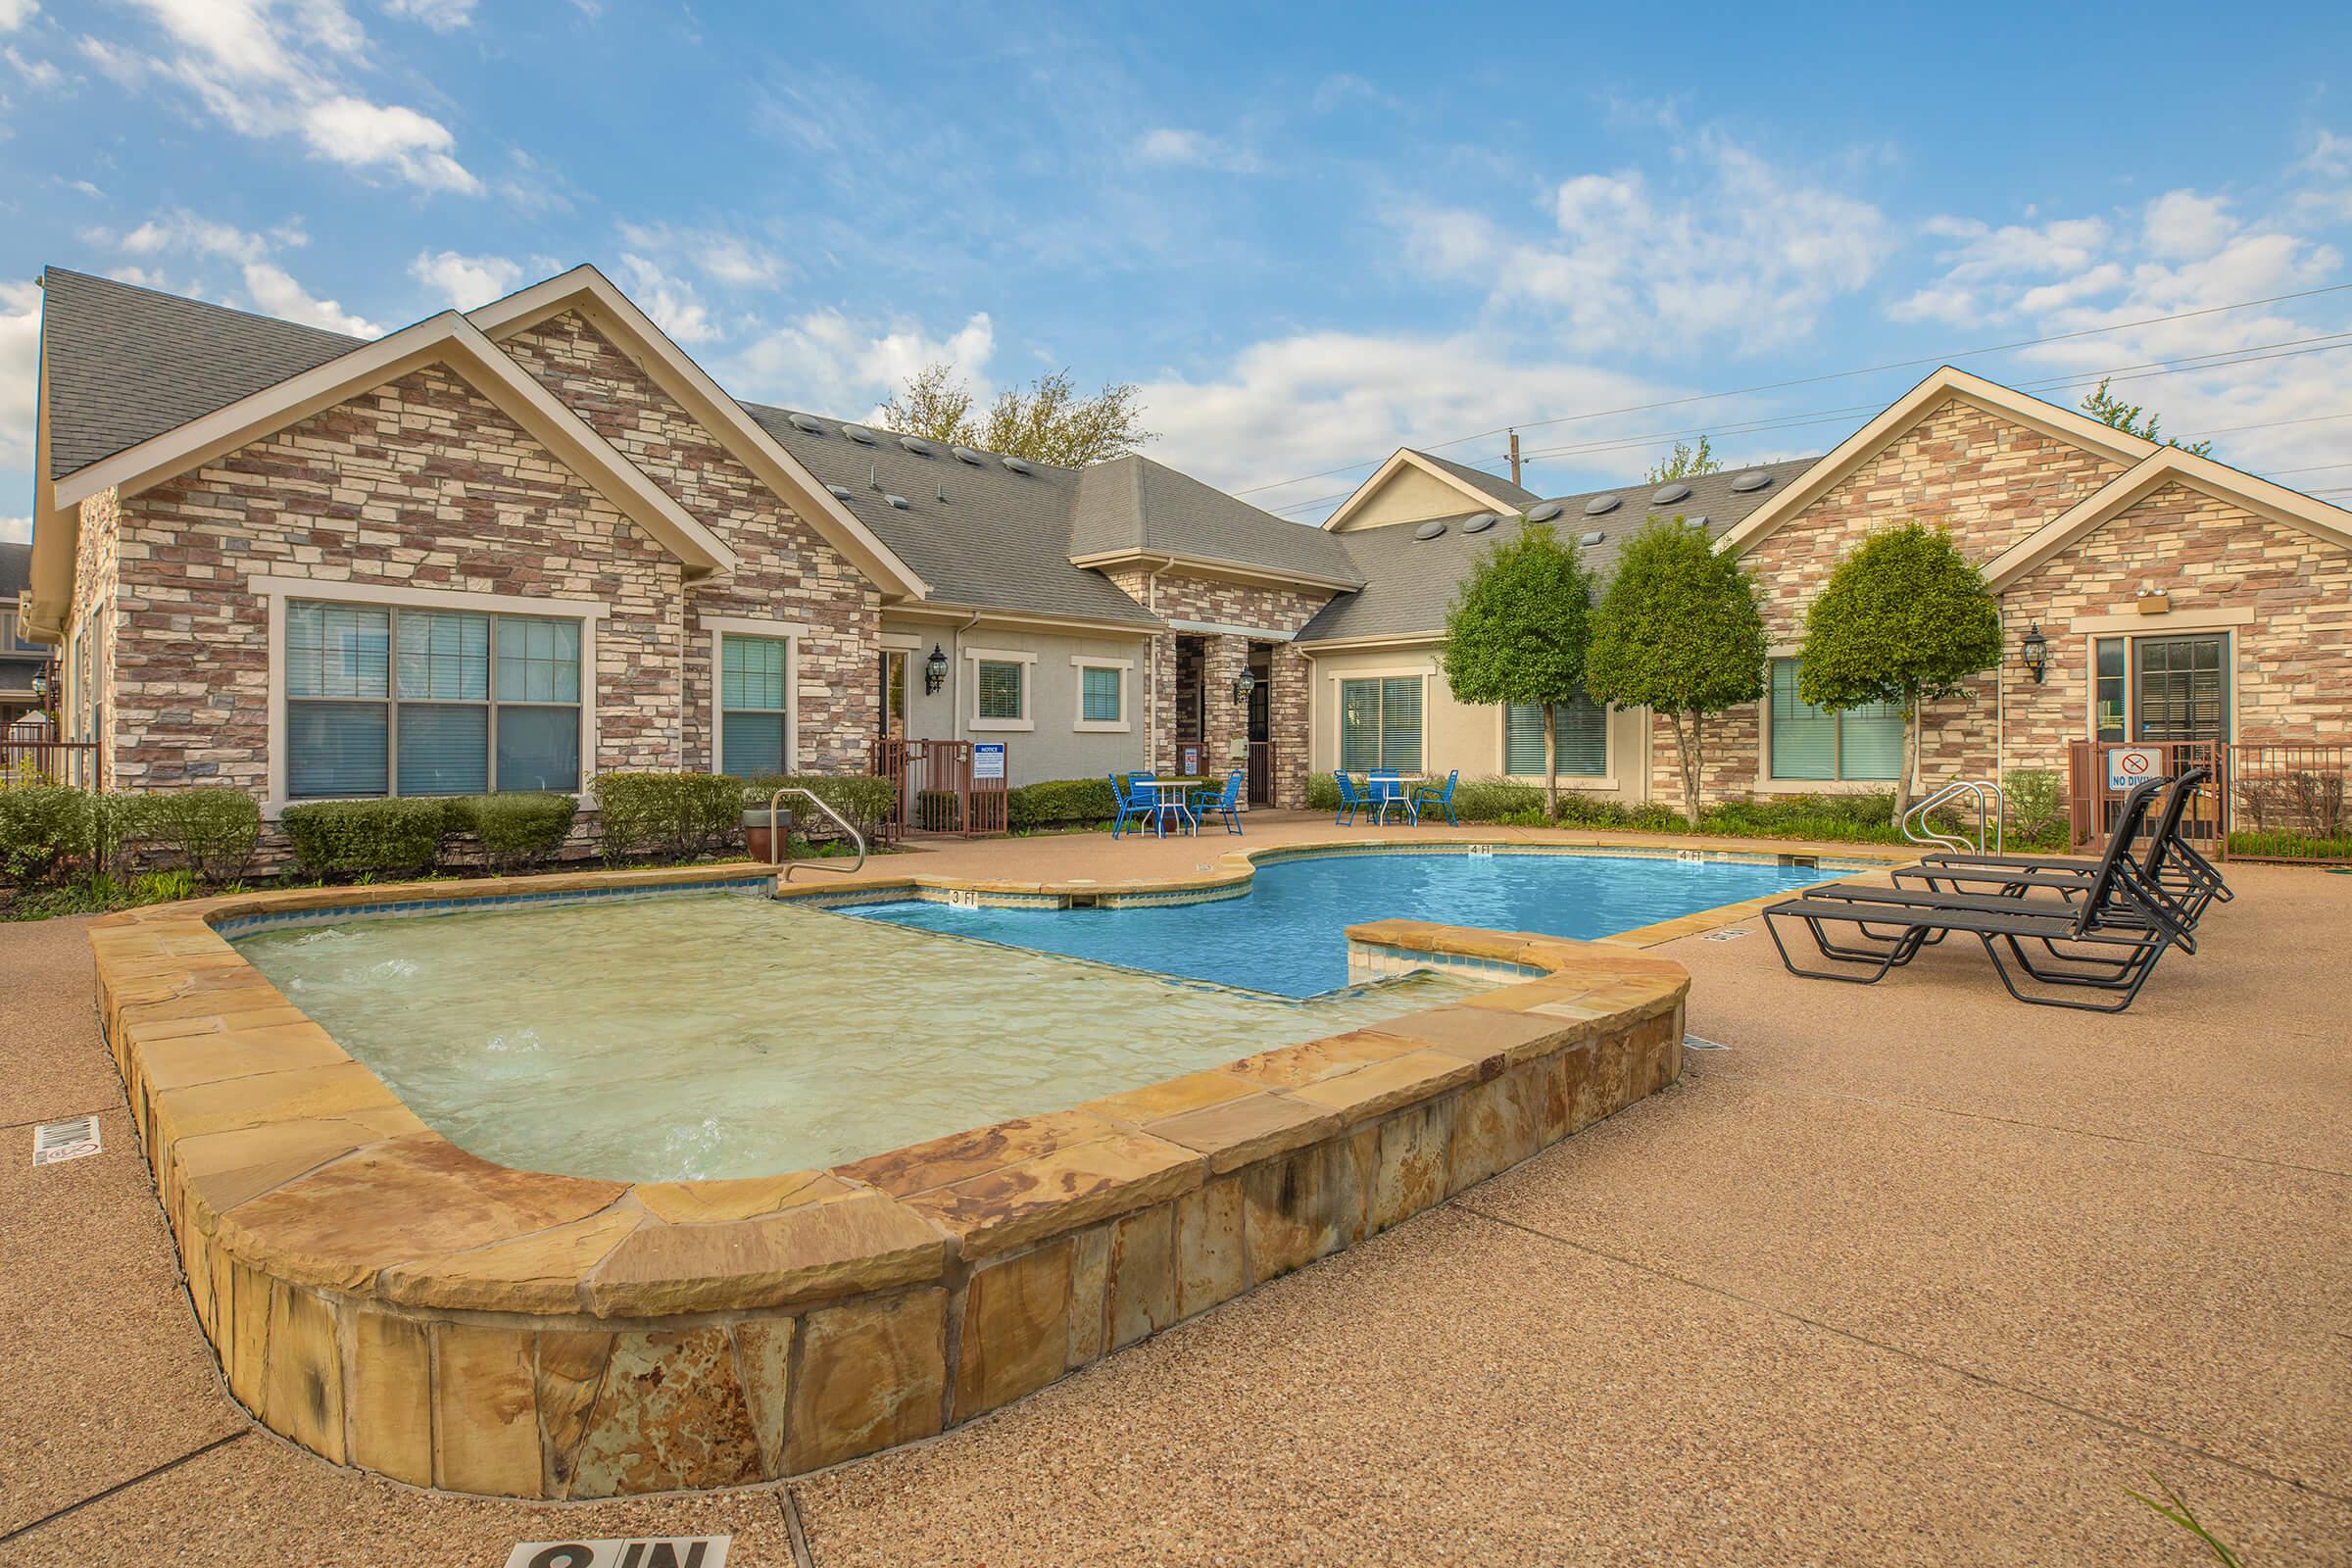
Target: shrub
1322 792
1833 818
396 837
213 829
2037 804
515 831
1588 811
670 816
1060 803
43 828
865 800
1490 800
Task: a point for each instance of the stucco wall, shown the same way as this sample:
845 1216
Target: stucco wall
1055 748
1410 495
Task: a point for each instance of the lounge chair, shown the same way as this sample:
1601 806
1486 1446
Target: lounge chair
1225 803
2086 946
1426 796
1349 802
1130 803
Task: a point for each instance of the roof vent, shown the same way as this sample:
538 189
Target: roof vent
840 492
1699 521
900 502
1666 494
1752 479
916 445
859 433
1592 538
1545 512
967 455
1429 530
807 424
1481 523
1601 506
1017 465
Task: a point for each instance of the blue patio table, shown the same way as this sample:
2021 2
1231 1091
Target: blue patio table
1384 790
1168 793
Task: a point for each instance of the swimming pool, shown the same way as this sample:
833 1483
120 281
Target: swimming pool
1287 934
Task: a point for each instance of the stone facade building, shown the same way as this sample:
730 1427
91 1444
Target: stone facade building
525 545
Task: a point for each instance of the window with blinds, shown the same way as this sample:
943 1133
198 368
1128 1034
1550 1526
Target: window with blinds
1379 725
391 701
999 695
1809 743
1098 695
1583 735
753 702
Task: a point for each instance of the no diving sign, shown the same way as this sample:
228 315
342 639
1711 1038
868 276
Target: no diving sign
2127 765
665 1552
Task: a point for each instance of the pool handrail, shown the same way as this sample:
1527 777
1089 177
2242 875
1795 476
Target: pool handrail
776 844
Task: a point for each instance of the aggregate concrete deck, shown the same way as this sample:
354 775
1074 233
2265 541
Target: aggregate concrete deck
1909 1274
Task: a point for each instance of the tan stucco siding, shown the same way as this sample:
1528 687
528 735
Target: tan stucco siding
1055 746
1407 496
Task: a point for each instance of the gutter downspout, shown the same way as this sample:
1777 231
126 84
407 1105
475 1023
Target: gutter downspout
955 680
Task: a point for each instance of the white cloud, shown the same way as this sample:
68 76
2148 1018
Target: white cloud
1171 147
36 73
1744 253
442 16
20 371
16 531
466 281
277 294
184 235
13 14
824 360
727 258
2183 225
182 232
364 135
2330 155
668 300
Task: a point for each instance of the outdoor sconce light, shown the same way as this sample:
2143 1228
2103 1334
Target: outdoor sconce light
41 686
935 671
1243 686
2037 652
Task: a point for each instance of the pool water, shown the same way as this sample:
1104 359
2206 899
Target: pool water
1288 935
728 1034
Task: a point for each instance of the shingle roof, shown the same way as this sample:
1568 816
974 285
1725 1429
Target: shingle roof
1409 582
126 362
1132 503
1000 539
1493 484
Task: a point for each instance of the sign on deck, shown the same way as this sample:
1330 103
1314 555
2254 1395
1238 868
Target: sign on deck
2127 765
988 759
670 1552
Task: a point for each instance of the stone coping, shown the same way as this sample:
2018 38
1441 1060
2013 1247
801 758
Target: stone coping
389 1301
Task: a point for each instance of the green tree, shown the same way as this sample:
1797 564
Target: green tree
1686 462
1678 631
1046 421
1516 631
2133 419
1904 618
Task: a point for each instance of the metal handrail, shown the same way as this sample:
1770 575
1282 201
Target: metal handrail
775 840
1991 805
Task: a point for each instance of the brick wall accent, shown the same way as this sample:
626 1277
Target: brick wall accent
789 573
97 581
420 483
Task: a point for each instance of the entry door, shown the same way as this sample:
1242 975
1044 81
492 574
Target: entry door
892 722
2180 689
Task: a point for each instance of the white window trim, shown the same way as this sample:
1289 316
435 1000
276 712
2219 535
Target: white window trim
276 591
2134 629
1004 656
1601 783
1081 664
789 633
1339 710
1766 784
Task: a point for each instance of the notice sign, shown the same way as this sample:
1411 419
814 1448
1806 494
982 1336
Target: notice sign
665 1551
988 759
2127 765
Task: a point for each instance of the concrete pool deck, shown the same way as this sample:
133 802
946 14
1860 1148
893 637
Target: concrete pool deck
1906 1274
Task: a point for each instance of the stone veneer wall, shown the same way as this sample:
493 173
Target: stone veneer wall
421 483
97 583
787 571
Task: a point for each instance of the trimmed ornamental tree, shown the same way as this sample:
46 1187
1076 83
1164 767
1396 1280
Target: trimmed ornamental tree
1905 618
1517 630
1679 632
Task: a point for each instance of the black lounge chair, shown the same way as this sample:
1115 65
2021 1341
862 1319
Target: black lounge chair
2107 940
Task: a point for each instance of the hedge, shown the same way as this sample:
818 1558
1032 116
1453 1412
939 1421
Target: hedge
866 800
213 829
1475 800
515 831
670 816
43 828
1059 803
395 837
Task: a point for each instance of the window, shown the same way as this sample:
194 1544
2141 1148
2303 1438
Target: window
11 639
1098 694
755 709
1000 696
1582 734
2108 713
1379 725
2182 693
386 701
1813 743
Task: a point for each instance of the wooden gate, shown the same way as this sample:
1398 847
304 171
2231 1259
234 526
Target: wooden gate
934 791
2100 773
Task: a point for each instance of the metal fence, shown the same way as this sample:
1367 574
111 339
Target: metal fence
47 762
937 789
2289 801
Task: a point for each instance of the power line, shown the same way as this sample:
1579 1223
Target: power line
1813 381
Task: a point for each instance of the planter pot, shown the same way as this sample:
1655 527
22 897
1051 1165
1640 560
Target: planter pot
755 836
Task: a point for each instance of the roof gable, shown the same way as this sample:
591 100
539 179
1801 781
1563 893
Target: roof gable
1131 508
1474 487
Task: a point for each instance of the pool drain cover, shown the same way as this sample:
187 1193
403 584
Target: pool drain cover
54 1141
1733 935
1694 1043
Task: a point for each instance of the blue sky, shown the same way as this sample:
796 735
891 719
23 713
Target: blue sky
1310 235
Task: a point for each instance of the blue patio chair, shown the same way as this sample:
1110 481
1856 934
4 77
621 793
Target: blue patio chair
1130 805
1430 794
1349 800
1225 803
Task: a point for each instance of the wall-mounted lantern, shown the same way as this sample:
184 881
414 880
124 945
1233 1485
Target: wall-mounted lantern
935 671
1243 685
2035 651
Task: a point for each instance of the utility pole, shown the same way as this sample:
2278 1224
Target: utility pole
1514 457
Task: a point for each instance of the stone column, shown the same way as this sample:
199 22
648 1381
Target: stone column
1163 678
1286 725
1223 721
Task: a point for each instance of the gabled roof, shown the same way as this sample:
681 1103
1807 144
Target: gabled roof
1133 509
1477 487
1410 582
2059 423
2169 466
